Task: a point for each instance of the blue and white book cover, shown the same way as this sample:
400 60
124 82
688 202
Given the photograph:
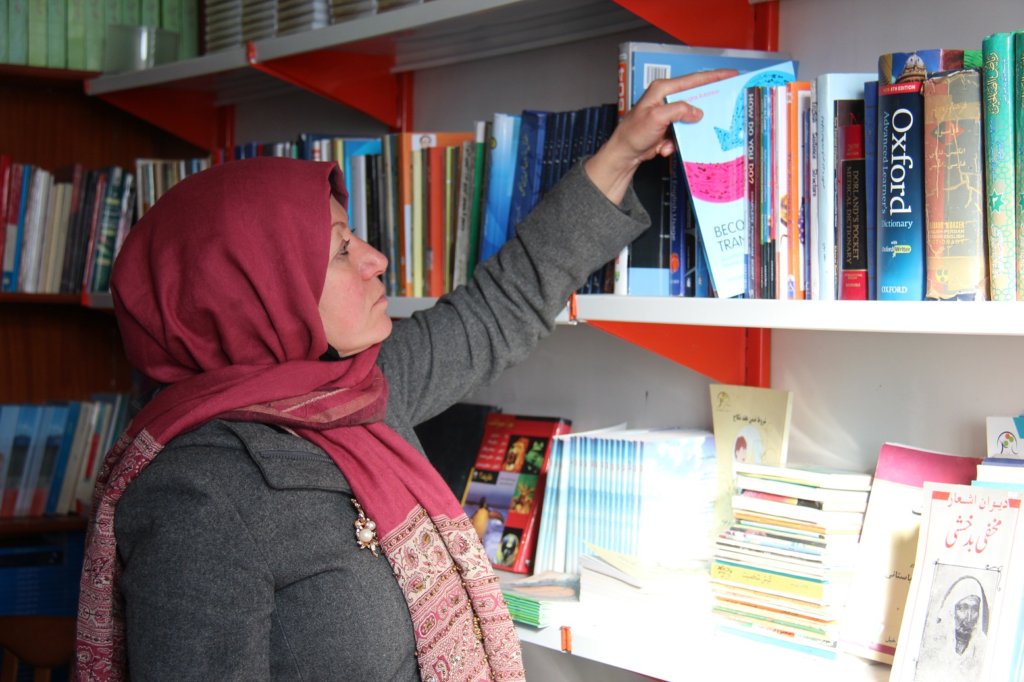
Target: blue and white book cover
713 156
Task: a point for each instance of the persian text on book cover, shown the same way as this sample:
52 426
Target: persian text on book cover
888 543
751 424
713 154
961 585
506 487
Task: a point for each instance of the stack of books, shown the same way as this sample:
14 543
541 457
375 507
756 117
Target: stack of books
639 492
782 568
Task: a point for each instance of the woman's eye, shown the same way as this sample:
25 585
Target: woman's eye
343 251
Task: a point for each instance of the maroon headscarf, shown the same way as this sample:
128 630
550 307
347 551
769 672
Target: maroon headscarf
216 292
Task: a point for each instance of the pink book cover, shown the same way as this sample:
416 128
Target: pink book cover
888 544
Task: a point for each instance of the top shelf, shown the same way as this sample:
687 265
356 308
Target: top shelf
358 62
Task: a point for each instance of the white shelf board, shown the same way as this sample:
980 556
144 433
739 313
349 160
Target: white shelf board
688 642
404 306
911 317
418 36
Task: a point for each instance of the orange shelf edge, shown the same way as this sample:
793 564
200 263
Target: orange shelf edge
724 23
190 114
730 355
361 81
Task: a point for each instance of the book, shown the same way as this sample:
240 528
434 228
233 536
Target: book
886 560
503 143
871 183
791 508
826 498
1000 214
25 429
504 496
852 230
451 441
901 215
954 190
751 425
829 88
1003 437
712 153
963 608
640 63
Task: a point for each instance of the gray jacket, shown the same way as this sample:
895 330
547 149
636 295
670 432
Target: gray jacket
236 543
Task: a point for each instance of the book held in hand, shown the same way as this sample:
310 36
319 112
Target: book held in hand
504 495
712 152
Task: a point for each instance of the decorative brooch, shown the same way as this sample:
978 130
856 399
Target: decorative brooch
366 530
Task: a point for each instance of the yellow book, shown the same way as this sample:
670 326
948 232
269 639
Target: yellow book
751 424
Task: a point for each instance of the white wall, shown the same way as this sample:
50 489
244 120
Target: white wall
848 35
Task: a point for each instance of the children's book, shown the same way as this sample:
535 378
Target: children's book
713 155
1003 437
751 426
505 492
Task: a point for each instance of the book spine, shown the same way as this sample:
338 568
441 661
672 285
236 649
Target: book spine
499 184
94 26
751 102
529 161
852 214
954 187
17 32
1000 215
901 192
1018 155
871 183
56 34
37 32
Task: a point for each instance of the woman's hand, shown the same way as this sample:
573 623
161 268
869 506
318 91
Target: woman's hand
643 132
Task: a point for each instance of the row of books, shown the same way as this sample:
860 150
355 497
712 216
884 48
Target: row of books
73 34
51 453
62 229
435 203
638 492
897 185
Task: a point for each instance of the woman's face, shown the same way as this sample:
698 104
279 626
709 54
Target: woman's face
353 306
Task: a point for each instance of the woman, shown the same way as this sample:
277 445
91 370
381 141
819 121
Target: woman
285 424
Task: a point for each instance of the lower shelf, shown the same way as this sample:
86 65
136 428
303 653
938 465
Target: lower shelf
683 644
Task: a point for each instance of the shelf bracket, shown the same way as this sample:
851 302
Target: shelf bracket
724 23
192 115
729 355
361 81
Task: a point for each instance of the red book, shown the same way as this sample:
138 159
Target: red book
852 235
504 496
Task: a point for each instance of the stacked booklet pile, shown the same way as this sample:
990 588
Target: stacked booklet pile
641 492
782 568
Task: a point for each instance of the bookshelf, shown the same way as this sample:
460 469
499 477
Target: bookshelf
862 372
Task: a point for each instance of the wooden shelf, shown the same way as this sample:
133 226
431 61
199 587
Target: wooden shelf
10 528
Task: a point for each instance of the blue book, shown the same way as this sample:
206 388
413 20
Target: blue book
871 181
529 166
900 133
679 201
24 433
504 142
712 151
8 421
63 454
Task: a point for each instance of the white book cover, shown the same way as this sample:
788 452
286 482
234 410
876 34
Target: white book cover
962 614
713 154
